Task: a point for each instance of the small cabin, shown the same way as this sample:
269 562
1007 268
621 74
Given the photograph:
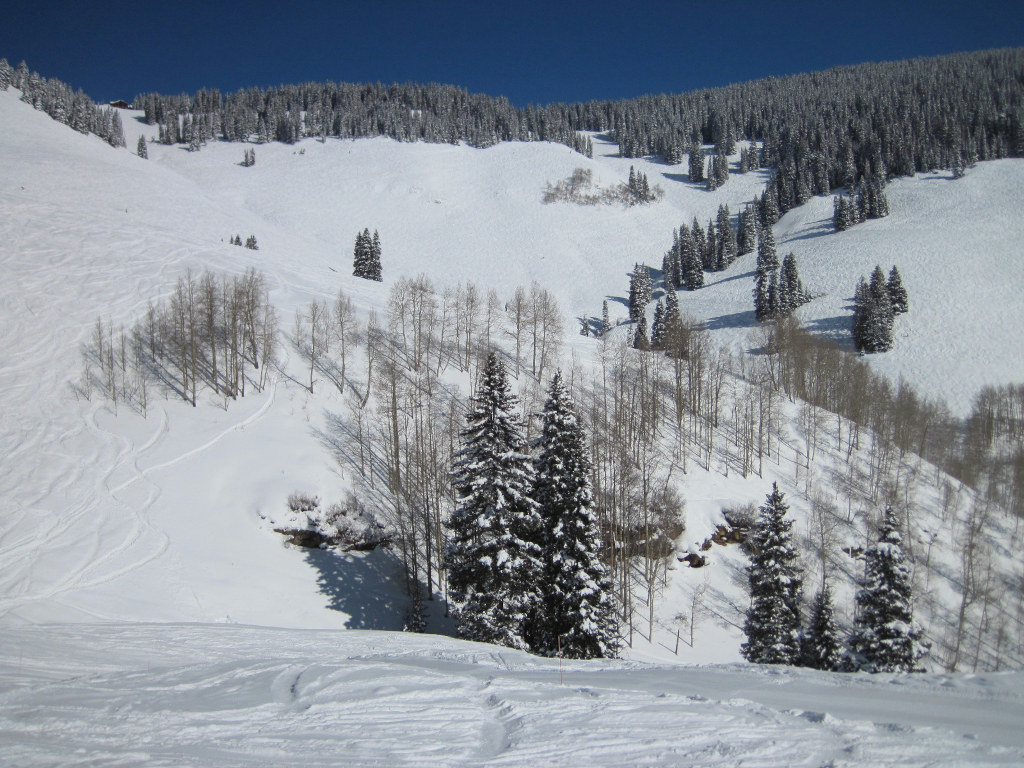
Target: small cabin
120 104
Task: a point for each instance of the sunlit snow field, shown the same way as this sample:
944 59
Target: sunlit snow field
150 616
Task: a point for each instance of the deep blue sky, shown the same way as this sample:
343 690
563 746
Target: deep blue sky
528 51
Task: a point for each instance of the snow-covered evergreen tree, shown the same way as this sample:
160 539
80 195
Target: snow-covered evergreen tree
727 245
880 319
141 149
578 599
897 293
841 213
696 161
746 238
791 289
709 259
672 314
658 326
766 301
494 555
366 256
772 625
374 270
606 323
641 339
361 254
885 636
820 645
640 289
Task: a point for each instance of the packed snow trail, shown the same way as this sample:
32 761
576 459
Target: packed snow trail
240 696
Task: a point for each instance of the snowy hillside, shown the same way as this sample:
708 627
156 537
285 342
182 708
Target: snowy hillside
114 524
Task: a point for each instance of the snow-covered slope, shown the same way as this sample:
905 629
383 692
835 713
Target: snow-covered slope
143 695
114 518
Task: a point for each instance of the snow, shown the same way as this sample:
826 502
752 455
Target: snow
149 614
212 695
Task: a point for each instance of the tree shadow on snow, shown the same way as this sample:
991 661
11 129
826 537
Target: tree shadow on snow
368 586
736 320
836 329
818 229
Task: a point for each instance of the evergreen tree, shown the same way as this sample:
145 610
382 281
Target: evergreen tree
712 178
772 625
361 254
746 240
897 293
366 256
494 555
727 246
885 637
687 253
709 259
791 290
115 136
250 243
861 308
641 340
141 149
696 161
374 271
700 240
640 289
6 75
878 321
693 269
768 206
721 166
672 315
658 327
820 644
606 323
766 299
578 602
841 213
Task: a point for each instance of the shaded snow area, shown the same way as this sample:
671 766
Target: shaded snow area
150 614
146 695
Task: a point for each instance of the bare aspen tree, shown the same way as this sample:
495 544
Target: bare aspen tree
179 310
824 526
971 564
231 302
493 311
210 310
374 346
268 341
346 331
470 321
316 320
518 312
448 331
548 328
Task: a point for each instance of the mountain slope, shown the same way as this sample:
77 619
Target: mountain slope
114 518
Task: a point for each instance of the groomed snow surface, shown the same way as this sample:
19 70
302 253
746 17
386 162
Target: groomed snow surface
150 616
